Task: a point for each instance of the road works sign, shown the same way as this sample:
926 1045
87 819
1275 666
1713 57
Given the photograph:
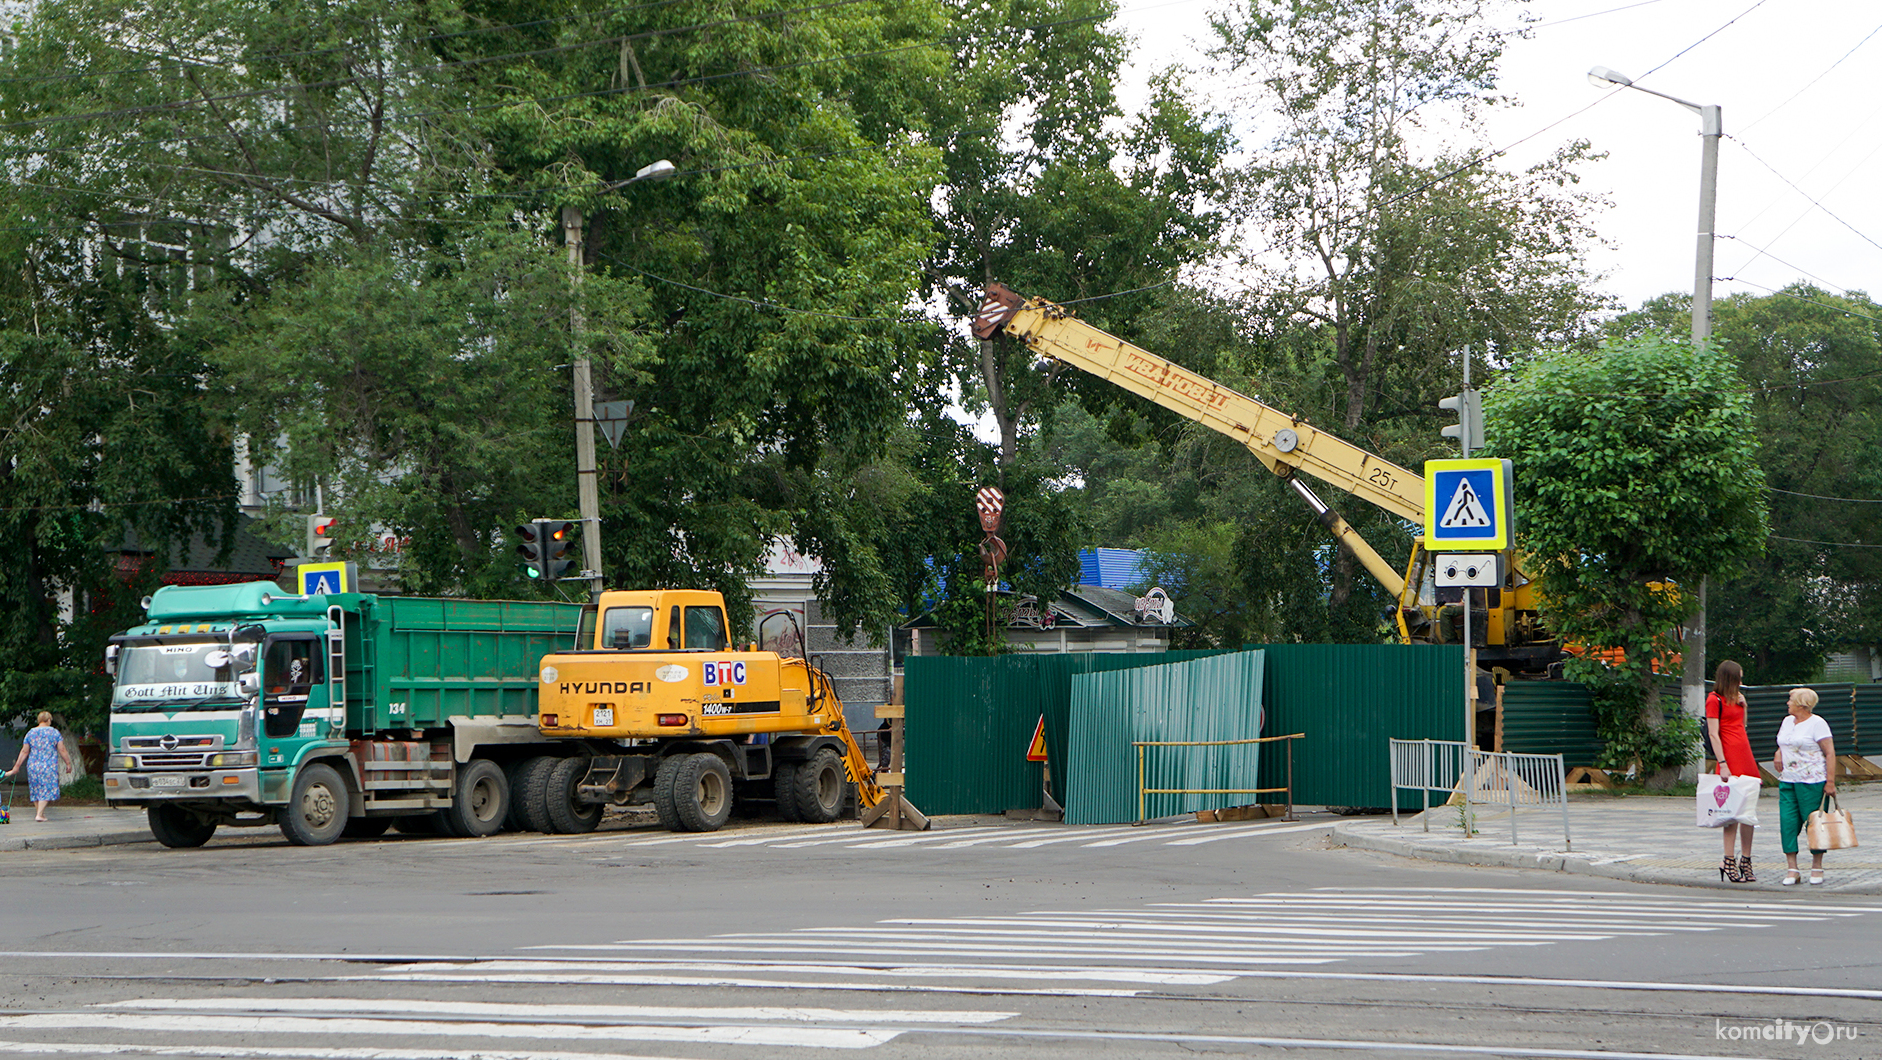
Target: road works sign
1036 751
1468 505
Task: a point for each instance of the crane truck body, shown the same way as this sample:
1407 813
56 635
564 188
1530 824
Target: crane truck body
1512 638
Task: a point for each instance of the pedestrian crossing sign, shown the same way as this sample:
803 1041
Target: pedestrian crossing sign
1469 505
325 579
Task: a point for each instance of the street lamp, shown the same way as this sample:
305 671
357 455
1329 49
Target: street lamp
587 494
1692 682
1709 129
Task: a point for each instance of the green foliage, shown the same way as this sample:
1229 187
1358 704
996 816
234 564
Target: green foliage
1637 474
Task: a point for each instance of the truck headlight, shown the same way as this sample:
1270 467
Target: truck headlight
120 763
234 759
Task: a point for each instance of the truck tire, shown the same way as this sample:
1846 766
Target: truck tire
514 820
316 811
365 827
784 784
531 793
480 800
567 816
693 793
177 828
819 787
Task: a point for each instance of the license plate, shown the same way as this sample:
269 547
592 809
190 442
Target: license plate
604 716
171 781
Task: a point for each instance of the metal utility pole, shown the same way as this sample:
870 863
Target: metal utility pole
1470 650
1692 681
589 496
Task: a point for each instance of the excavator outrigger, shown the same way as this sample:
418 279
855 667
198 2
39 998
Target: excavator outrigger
1512 638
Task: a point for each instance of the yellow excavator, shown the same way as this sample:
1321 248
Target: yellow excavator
656 705
1511 638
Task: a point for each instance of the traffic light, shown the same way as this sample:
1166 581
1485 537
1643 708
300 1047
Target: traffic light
545 547
1469 426
557 538
320 536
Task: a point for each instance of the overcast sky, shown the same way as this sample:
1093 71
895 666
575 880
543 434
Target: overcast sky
1800 83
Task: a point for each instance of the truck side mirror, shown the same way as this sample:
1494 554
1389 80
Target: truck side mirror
111 659
249 683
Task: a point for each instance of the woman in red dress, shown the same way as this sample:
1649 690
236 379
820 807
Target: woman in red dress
1725 736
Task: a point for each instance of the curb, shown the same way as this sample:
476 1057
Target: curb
1489 856
72 842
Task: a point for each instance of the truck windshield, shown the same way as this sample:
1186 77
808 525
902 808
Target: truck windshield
169 675
627 627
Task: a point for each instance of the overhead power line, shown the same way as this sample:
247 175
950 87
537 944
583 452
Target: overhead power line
1821 497
1826 72
1832 214
1828 544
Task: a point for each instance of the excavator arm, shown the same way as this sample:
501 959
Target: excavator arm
1286 444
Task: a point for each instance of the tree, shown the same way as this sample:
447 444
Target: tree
1390 247
1814 364
1637 474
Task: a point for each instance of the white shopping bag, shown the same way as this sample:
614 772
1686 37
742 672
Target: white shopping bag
1721 803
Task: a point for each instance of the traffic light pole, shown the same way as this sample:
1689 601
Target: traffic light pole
1470 660
589 496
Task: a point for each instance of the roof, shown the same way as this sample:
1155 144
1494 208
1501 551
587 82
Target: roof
1079 606
1112 568
249 554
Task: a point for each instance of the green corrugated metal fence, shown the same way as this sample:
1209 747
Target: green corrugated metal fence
1350 699
1204 699
969 721
1550 717
1866 720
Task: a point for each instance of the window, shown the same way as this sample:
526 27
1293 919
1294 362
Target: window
627 627
705 628
291 666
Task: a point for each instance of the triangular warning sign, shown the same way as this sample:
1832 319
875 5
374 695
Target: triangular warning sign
1465 510
1037 752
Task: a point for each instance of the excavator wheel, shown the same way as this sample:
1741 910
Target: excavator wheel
566 815
784 784
693 793
820 785
531 793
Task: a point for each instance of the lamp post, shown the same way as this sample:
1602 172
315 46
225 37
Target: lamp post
588 496
1692 682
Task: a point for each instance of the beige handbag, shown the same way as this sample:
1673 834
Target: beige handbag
1829 828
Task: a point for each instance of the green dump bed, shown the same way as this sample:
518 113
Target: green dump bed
413 662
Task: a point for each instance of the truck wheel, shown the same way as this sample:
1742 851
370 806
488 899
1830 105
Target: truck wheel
316 812
531 793
820 785
567 816
480 800
514 821
365 827
176 827
699 791
784 781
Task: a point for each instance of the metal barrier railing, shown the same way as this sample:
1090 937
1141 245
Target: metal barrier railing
1144 792
1481 778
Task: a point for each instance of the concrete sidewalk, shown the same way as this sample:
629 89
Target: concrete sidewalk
72 826
1646 839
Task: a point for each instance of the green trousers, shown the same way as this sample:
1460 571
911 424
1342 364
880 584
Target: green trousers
1795 803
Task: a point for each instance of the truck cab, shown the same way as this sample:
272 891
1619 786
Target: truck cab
219 698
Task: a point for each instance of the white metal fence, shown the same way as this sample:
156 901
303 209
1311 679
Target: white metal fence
1480 778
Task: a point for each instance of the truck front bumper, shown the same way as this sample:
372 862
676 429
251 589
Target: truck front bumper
183 785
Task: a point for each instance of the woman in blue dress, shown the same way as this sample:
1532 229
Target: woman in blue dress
42 751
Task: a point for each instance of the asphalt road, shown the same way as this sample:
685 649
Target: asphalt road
770 940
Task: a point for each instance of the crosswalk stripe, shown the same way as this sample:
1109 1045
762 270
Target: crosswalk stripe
1001 971
198 1023
1198 840
258 1052
1095 833
545 1011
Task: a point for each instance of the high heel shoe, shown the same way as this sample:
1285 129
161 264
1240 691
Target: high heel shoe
1728 870
1745 875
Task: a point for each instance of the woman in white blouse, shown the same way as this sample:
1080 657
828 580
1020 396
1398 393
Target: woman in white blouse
1806 768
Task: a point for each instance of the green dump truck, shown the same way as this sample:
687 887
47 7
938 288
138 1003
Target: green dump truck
328 715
